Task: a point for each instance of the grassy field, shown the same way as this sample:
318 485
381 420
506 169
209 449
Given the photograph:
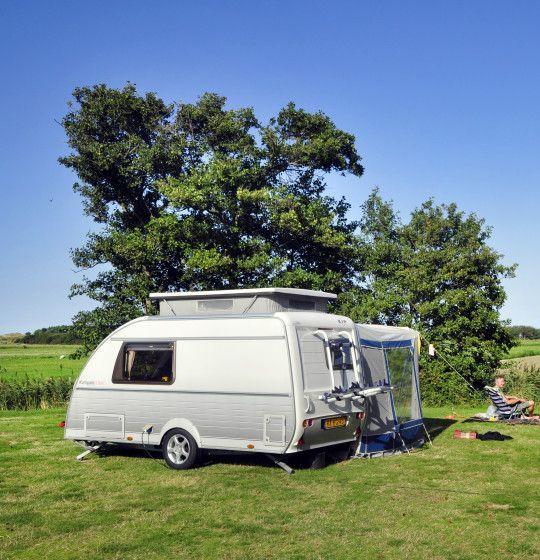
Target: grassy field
525 348
460 499
38 360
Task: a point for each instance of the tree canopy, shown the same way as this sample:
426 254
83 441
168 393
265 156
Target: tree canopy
435 273
195 196
198 196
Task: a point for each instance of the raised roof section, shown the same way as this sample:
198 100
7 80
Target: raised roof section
251 300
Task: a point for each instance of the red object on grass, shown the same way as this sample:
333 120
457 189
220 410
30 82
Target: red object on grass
62 424
458 434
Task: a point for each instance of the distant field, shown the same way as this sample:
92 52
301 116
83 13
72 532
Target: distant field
525 348
521 363
38 360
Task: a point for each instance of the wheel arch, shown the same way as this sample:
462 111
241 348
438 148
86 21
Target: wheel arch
183 424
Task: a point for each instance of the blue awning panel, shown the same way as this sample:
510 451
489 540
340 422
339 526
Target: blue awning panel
410 434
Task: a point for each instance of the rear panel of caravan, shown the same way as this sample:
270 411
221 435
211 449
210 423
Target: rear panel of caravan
323 423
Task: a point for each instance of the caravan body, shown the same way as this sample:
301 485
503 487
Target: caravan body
228 370
389 356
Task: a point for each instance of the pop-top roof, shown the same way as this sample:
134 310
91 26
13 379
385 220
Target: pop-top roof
243 292
248 301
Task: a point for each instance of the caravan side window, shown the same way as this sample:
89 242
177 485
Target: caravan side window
140 362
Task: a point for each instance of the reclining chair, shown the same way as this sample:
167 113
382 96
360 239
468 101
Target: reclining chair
504 410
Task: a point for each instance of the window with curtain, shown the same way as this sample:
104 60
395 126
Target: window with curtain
145 363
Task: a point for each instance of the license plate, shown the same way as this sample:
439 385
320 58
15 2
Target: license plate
338 422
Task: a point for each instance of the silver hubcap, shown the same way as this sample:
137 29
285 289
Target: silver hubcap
178 449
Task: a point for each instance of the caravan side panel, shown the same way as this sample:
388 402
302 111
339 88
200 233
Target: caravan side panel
230 376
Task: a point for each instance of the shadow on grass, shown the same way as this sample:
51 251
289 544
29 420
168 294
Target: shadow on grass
436 426
477 420
297 461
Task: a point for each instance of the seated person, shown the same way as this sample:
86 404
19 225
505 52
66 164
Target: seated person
523 404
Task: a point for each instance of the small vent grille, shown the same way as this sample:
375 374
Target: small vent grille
274 429
110 424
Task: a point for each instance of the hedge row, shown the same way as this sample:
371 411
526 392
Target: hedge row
436 390
34 393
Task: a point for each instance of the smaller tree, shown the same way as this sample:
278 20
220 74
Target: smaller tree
437 274
195 196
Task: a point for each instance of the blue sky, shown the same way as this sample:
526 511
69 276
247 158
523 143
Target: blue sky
443 98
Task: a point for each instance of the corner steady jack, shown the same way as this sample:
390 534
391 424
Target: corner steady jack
279 463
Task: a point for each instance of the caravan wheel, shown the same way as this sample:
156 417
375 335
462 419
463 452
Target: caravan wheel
180 450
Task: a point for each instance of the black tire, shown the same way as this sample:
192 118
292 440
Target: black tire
180 450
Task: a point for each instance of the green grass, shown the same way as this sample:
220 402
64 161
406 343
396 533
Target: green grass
460 499
525 348
18 361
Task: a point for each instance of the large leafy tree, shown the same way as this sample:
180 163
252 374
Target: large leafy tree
438 274
199 196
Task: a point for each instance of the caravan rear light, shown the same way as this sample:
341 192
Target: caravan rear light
307 423
300 442
360 415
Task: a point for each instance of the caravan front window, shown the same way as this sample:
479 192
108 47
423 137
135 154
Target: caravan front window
144 363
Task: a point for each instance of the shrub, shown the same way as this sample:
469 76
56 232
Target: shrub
441 385
440 388
11 338
34 393
523 382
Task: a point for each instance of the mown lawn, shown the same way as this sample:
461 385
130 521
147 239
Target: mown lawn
460 499
525 348
18 361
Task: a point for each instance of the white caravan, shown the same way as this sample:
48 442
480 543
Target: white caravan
258 370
